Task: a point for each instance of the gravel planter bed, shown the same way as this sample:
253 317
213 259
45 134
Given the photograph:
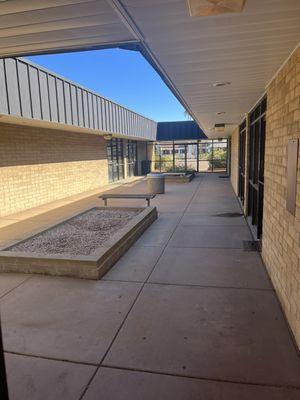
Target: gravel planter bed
84 246
82 234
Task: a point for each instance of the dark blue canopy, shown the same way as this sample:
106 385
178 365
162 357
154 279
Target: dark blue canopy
179 130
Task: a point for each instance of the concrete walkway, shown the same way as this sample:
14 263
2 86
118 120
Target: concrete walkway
186 314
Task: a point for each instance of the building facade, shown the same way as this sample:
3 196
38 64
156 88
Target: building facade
222 68
260 162
182 146
56 134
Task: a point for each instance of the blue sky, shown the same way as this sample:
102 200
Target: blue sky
120 75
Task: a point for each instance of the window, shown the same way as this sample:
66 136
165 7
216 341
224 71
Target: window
205 155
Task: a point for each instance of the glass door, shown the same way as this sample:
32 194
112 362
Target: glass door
115 159
131 157
205 151
212 155
219 155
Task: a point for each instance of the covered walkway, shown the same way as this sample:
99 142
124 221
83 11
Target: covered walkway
187 313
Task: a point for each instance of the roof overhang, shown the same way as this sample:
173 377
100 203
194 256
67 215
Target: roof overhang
192 54
46 125
205 8
178 131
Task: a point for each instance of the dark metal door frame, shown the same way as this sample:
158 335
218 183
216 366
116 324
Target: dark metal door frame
115 156
198 160
242 162
257 128
132 157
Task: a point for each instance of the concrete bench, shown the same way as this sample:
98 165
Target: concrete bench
107 196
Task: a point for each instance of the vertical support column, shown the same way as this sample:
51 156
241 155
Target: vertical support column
185 157
212 155
228 155
125 152
160 161
197 155
151 154
173 153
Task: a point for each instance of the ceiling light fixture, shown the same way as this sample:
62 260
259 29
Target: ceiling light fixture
220 84
220 112
206 8
107 136
219 127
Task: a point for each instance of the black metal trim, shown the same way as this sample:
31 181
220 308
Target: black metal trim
3 380
255 183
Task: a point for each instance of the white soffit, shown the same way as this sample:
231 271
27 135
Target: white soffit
244 48
35 26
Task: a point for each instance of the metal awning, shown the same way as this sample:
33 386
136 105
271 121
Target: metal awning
179 131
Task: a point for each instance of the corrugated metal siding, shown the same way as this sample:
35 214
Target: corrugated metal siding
179 130
29 91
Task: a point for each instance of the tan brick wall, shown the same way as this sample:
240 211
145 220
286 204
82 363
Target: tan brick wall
150 151
234 156
141 155
38 166
281 230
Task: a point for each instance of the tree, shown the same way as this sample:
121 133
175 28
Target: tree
187 115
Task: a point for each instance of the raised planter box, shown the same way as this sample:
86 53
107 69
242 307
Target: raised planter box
92 266
178 177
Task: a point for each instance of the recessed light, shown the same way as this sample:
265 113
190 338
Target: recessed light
218 84
220 112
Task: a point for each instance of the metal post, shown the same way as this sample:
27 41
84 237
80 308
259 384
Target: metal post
160 160
197 155
3 381
212 155
228 156
185 157
173 155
